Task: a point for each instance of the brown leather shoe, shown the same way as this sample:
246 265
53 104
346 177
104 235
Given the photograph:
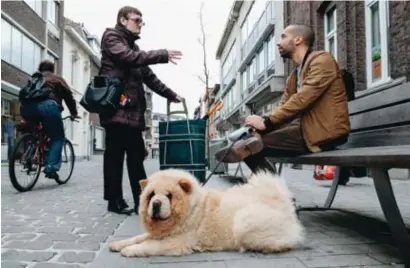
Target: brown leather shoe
240 150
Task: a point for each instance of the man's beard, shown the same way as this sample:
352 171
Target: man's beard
286 55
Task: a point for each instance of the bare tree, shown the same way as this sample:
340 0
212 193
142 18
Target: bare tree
204 78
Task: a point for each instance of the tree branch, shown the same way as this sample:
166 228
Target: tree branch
202 41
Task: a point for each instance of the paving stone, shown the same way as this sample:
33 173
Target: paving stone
74 257
340 260
108 259
93 238
59 237
56 265
87 246
17 229
386 259
58 230
196 257
264 263
12 264
213 264
95 231
37 256
33 245
131 226
11 237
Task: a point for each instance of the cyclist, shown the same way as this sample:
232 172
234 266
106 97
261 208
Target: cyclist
49 111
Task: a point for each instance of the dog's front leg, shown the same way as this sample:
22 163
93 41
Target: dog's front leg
119 245
175 246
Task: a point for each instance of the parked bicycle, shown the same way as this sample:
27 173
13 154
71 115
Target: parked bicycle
30 151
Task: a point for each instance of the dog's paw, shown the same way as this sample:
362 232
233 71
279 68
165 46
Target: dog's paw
131 251
115 246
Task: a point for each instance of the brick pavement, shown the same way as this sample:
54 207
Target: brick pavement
68 226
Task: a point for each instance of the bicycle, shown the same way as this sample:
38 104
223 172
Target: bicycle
35 153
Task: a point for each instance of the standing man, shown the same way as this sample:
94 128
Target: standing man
312 114
122 58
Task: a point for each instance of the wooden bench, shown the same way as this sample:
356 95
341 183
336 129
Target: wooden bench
379 140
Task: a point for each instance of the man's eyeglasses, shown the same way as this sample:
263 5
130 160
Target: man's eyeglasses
138 21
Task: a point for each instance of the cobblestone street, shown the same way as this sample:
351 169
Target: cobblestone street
68 226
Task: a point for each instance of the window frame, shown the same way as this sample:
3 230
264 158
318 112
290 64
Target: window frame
333 33
384 24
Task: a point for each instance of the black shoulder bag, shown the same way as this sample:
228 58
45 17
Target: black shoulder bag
102 95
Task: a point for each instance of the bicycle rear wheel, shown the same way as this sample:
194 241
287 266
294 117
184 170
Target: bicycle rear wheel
30 158
67 157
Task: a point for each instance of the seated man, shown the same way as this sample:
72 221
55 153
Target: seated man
312 114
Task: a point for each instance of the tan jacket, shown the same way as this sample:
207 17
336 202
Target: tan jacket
321 101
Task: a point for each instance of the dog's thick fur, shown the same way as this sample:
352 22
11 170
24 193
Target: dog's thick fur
258 216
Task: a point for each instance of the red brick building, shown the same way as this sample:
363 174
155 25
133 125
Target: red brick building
369 38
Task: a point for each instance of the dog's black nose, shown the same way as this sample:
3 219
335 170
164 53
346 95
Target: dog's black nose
156 207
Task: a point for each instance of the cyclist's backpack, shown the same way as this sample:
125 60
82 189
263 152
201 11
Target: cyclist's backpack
349 84
34 90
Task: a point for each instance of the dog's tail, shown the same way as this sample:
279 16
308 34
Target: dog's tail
271 185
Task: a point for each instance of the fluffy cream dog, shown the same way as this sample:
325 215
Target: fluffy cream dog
180 217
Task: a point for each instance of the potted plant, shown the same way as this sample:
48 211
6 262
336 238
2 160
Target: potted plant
376 62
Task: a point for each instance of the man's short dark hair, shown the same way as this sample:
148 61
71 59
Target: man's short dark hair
306 32
46 66
125 11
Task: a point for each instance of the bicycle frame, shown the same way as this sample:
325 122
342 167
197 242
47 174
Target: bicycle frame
41 145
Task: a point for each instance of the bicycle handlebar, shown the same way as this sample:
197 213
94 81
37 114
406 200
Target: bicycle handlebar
69 117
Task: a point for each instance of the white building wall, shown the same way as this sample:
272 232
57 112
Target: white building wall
76 71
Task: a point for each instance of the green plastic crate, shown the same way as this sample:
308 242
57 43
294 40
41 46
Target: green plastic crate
182 146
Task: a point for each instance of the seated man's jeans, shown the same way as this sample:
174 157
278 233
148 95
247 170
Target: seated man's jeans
49 113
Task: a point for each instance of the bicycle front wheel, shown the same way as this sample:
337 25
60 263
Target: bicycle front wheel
25 159
67 163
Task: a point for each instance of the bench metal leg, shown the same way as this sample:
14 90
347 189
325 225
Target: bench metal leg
392 213
330 196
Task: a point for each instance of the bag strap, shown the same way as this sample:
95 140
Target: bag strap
127 71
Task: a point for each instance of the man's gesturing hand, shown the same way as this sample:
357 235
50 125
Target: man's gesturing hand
174 55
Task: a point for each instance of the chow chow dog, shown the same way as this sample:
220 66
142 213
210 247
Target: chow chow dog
181 217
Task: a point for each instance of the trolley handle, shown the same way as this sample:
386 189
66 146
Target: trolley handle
185 111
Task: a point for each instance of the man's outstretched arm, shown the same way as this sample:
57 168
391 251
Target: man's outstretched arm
152 81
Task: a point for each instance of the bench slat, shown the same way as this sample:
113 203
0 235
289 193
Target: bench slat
397 114
378 157
381 137
385 97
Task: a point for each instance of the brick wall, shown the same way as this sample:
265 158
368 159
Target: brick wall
399 39
13 75
351 34
26 17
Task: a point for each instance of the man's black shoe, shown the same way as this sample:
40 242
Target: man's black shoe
122 203
117 207
51 175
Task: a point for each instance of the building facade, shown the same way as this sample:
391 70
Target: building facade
368 38
252 74
30 31
81 51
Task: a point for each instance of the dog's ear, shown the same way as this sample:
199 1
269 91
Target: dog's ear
143 183
185 185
